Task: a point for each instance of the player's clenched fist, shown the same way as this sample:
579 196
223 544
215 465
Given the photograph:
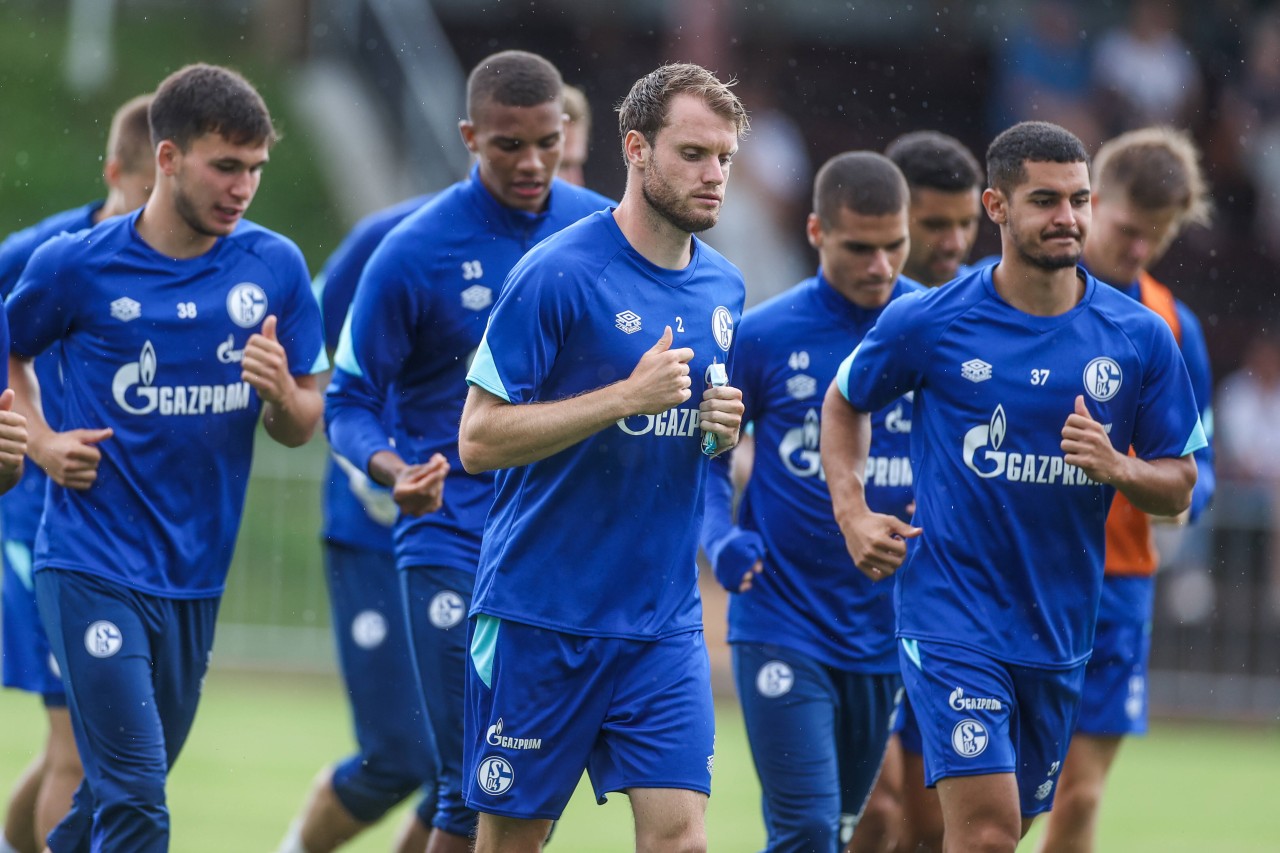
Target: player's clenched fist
875 541
720 413
1085 445
660 380
419 489
265 365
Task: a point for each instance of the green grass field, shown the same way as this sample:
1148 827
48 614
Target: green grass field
260 738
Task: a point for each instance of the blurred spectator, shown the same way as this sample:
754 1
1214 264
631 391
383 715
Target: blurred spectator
1248 409
1144 72
762 230
1252 110
1042 73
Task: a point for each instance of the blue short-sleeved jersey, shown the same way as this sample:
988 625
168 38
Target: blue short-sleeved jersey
357 512
20 509
1010 561
811 597
151 347
417 318
601 538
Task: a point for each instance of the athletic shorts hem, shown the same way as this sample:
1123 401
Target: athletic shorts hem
705 790
986 653
534 621
97 572
471 804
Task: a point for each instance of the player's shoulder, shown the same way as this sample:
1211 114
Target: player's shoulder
709 255
67 221
371 229
791 304
918 308
570 200
279 253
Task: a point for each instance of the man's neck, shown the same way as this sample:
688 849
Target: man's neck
656 239
162 228
1034 290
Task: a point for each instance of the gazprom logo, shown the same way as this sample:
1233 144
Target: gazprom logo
991 436
799 447
135 391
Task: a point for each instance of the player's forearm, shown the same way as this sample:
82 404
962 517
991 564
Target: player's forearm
496 434
844 445
26 402
292 420
1159 486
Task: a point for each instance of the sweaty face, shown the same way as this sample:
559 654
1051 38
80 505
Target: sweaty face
518 149
1125 239
861 255
214 181
943 228
687 168
1048 214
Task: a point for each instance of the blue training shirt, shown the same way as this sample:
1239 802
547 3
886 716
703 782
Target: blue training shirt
20 509
417 318
601 538
811 597
151 347
357 511
1010 560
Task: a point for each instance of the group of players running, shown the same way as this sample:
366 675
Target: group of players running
532 439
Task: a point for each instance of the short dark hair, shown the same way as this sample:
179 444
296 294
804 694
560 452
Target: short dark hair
932 160
200 99
646 106
861 181
129 140
1155 168
1033 141
513 78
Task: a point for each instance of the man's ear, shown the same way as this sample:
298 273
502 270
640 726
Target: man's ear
996 205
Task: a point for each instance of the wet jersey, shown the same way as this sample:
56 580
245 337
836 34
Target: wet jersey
810 597
601 538
417 318
1010 561
151 347
20 509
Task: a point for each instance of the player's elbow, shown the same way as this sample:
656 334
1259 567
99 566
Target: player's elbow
476 455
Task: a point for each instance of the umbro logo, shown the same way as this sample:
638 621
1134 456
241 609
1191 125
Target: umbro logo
975 370
477 296
125 309
627 321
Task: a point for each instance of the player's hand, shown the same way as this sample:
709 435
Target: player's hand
419 489
71 458
266 366
660 380
876 542
750 577
13 435
720 412
1086 445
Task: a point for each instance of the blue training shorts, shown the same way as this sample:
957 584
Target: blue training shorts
1115 679
542 706
28 661
978 715
818 736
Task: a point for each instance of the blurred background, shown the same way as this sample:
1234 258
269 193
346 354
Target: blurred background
369 92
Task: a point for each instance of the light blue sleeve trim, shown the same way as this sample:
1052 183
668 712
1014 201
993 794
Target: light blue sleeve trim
842 375
344 358
1196 441
484 371
317 286
484 645
18 556
1206 421
912 648
321 362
